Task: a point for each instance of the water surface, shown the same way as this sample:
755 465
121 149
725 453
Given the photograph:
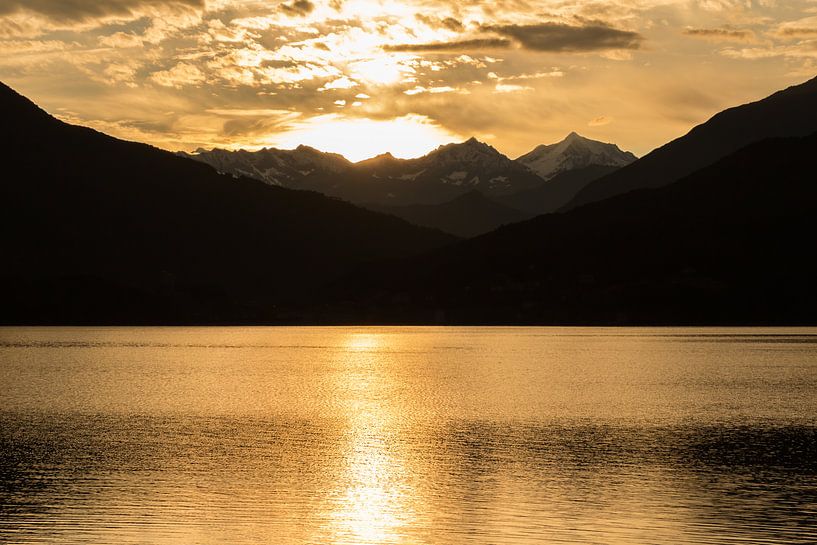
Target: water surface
408 435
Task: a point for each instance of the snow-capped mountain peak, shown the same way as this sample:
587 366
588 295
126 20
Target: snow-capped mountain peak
272 165
472 151
574 152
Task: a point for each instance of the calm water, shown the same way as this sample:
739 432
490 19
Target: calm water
408 436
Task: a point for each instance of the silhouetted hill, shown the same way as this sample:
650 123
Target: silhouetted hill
732 243
96 229
466 216
791 112
556 192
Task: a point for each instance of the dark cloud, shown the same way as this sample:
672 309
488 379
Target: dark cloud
720 34
557 37
798 32
486 43
78 10
298 7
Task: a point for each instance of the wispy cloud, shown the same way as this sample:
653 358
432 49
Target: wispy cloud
460 45
77 10
721 34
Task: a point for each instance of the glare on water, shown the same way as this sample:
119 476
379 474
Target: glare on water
408 435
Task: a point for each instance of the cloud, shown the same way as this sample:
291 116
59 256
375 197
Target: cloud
238 112
554 73
120 73
79 10
180 75
556 37
803 28
434 90
721 34
341 83
217 72
510 88
298 7
448 23
462 45
121 40
798 32
803 50
600 121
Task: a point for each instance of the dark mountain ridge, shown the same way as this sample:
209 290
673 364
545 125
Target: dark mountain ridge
96 229
729 244
788 113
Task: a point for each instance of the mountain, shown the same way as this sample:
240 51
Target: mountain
448 172
444 174
788 113
573 153
466 216
277 167
556 192
728 244
98 230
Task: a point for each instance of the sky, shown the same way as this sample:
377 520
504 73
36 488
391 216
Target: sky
362 77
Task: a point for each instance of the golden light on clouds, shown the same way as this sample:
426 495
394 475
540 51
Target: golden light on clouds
361 77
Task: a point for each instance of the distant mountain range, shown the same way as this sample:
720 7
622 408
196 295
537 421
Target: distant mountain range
716 227
444 174
443 177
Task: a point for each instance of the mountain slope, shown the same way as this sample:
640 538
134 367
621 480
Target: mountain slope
573 153
466 216
556 192
791 112
731 243
101 230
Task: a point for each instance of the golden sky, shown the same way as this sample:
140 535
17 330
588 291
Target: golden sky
364 76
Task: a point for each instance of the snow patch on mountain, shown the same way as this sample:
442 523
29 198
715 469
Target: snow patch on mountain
273 166
574 152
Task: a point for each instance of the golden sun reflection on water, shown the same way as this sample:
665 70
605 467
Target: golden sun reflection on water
364 342
407 436
372 501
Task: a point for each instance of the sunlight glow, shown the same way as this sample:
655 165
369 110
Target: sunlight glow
356 139
385 70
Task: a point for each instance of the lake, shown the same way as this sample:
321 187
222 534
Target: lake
389 435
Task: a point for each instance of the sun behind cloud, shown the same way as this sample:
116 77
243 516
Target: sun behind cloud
356 139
